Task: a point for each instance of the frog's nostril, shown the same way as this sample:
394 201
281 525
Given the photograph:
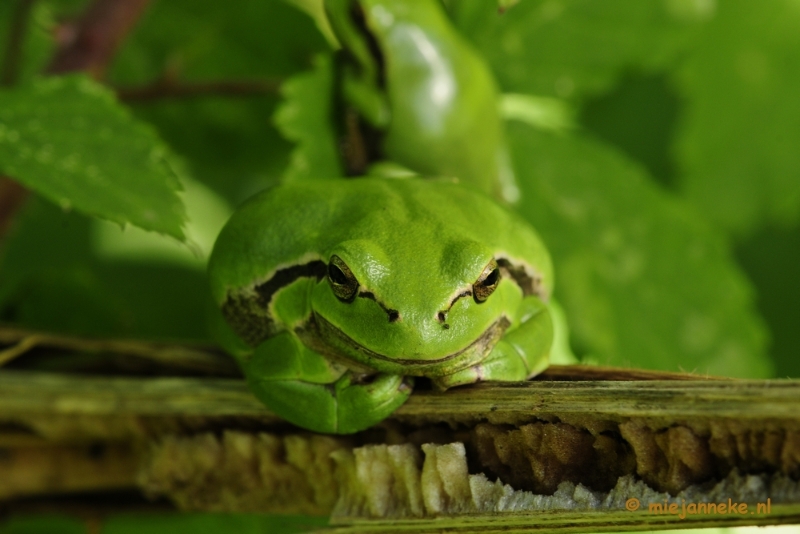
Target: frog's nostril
394 315
441 316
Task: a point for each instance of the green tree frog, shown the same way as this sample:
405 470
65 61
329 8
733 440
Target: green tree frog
341 292
413 77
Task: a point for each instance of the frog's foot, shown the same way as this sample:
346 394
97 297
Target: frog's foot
359 406
342 407
306 389
503 363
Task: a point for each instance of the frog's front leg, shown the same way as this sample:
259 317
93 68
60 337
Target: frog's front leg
308 390
522 353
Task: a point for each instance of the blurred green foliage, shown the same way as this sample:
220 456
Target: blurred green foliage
681 152
305 119
615 238
229 143
571 49
742 116
671 206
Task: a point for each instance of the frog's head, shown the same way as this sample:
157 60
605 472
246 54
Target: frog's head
407 306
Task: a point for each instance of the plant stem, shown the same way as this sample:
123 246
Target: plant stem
93 41
16 42
162 89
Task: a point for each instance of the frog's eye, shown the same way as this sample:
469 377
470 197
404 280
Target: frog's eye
342 280
487 282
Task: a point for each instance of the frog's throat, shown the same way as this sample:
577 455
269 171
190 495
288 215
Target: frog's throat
320 335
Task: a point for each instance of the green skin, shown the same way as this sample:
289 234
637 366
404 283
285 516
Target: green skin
410 74
339 292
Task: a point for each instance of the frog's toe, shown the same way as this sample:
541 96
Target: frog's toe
361 406
503 363
470 375
387 387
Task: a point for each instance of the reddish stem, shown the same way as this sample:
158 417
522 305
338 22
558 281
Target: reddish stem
12 196
92 42
168 89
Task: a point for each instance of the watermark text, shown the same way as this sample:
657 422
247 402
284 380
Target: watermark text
684 509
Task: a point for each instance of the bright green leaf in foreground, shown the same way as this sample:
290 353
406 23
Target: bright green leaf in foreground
739 143
68 139
645 282
59 273
305 117
571 48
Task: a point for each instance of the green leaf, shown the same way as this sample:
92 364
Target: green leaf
770 258
541 112
738 144
208 39
316 10
37 45
227 143
54 261
305 118
639 116
208 213
645 282
68 139
118 283
577 47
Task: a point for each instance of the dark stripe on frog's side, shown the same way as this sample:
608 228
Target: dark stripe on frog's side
530 285
248 311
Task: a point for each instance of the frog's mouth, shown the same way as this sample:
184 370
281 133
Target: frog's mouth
322 336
